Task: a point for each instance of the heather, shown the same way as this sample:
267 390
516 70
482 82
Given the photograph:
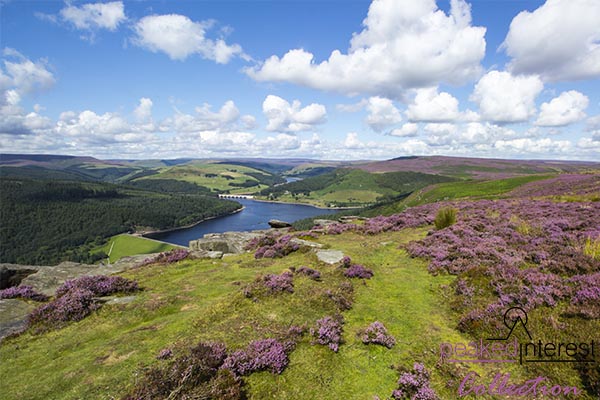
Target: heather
309 272
259 355
22 292
273 246
270 284
328 332
414 385
76 299
376 333
585 186
168 257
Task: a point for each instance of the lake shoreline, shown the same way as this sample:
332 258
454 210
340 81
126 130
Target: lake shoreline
149 234
306 204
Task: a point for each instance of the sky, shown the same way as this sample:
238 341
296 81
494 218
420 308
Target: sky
332 79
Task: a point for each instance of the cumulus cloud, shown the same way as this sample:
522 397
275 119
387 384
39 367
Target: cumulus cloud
409 129
382 113
143 112
431 106
179 37
563 110
24 75
543 146
285 117
404 44
227 119
558 41
19 77
94 16
504 98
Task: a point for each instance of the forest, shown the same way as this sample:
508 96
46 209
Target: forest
45 222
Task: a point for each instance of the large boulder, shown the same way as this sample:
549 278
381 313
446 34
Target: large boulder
226 243
330 256
275 223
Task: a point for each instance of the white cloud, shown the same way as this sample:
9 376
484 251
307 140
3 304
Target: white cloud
527 146
563 110
179 37
431 106
285 117
407 130
352 108
352 141
143 112
382 113
403 45
24 75
94 15
504 98
224 120
558 41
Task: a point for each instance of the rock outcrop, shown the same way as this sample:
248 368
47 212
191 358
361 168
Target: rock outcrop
275 223
226 243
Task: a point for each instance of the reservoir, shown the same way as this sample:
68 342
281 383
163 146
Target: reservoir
255 215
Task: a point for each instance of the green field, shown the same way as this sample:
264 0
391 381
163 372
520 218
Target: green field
216 176
127 245
470 189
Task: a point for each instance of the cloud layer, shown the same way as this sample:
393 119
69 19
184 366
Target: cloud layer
403 45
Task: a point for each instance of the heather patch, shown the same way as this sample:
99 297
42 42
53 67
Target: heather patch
328 332
259 355
273 246
358 271
414 385
376 333
197 374
168 257
270 284
22 292
309 272
76 299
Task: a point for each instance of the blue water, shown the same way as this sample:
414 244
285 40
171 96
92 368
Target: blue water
255 215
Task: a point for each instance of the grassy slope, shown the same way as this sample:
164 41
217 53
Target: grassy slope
100 356
128 245
196 173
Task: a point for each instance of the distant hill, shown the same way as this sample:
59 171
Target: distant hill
475 168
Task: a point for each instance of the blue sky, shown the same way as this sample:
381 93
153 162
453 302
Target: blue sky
313 79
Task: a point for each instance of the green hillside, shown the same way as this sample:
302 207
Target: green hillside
218 177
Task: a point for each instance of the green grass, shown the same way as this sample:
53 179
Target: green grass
128 245
101 356
224 174
469 189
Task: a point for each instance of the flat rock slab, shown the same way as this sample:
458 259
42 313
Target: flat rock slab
275 223
330 256
13 316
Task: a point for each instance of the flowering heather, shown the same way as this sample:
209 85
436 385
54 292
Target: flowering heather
376 333
279 283
259 355
527 251
309 272
342 296
328 332
168 257
346 262
99 285
358 271
75 299
23 292
74 305
196 374
414 385
274 247
562 185
271 284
